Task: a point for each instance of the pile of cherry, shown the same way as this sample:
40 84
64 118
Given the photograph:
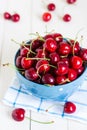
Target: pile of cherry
51 59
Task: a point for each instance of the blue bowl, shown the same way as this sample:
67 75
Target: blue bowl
58 92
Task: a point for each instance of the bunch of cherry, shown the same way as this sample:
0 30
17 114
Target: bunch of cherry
14 17
51 59
51 7
18 114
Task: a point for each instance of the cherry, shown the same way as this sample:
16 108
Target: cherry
42 66
70 1
24 51
50 45
51 6
40 53
76 62
18 114
48 36
67 17
18 61
31 74
54 58
75 47
46 16
62 68
80 70
58 37
72 74
15 17
26 63
69 107
61 79
48 79
83 54
7 15
64 48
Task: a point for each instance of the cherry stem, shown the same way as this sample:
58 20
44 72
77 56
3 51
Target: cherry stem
49 122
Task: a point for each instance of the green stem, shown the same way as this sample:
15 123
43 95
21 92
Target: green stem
49 122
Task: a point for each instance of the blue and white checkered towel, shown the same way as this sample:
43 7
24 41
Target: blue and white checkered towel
16 96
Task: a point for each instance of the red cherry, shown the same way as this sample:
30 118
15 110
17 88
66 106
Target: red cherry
15 17
58 37
18 61
26 63
83 54
50 45
76 62
67 18
62 68
61 79
51 6
64 48
42 66
46 16
31 74
72 74
69 107
7 15
48 79
75 47
24 51
18 114
54 58
70 1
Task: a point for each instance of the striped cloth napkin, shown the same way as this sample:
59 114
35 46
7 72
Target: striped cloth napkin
16 96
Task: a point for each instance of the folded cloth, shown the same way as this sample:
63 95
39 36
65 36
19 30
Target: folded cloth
17 96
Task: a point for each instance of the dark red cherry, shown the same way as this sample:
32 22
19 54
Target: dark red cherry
67 17
18 114
7 15
15 17
31 74
50 45
75 47
61 79
69 107
51 6
72 74
18 61
24 51
42 66
70 1
54 58
48 79
26 63
62 68
83 54
58 37
64 48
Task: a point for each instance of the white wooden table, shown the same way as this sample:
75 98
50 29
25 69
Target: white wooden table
31 12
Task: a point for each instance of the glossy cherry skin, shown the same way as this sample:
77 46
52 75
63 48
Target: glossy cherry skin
7 15
31 74
58 37
83 54
61 79
71 1
76 62
50 45
51 6
18 61
69 107
54 58
26 63
15 17
75 47
46 16
24 51
42 66
48 79
18 114
64 48
72 74
62 68
67 17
